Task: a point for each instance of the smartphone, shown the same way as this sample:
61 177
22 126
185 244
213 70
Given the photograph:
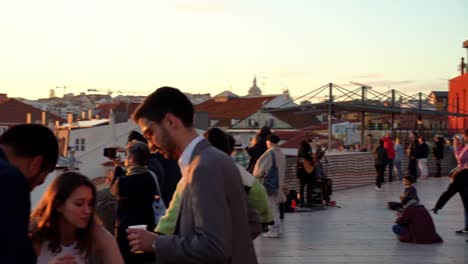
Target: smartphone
110 153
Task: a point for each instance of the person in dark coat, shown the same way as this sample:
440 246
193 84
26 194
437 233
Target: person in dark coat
258 147
459 185
28 153
304 154
412 163
415 225
167 170
438 153
135 192
380 159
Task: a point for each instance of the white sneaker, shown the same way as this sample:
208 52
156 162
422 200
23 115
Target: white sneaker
378 189
271 234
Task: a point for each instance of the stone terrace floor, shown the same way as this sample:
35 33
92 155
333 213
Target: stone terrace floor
360 231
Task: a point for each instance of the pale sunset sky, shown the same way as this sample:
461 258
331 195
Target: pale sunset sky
208 46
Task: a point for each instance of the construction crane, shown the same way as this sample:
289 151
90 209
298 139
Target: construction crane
62 87
110 92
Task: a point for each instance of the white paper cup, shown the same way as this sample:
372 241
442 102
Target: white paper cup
143 227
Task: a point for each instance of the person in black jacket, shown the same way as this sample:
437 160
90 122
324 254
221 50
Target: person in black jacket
412 164
304 155
380 159
421 155
28 153
135 192
438 153
459 184
258 147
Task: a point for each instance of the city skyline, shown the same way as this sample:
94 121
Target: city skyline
212 46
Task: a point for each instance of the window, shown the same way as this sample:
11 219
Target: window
80 144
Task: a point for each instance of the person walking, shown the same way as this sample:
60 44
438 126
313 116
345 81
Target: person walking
438 153
399 153
28 153
380 159
458 184
388 145
212 222
273 159
422 153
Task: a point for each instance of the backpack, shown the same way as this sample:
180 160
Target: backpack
271 180
159 209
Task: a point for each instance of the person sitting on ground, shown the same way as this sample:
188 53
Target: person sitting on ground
64 228
459 184
410 193
415 225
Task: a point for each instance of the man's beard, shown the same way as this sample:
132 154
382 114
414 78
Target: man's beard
167 145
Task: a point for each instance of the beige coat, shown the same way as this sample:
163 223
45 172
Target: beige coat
264 163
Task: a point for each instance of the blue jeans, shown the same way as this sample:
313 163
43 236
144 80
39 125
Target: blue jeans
397 164
399 229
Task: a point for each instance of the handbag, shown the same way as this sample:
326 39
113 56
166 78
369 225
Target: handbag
271 180
159 209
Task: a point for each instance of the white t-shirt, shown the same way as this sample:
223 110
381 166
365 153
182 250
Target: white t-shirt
45 256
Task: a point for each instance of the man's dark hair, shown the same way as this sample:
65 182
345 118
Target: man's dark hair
414 133
273 138
31 140
163 101
466 132
134 135
218 138
409 178
232 143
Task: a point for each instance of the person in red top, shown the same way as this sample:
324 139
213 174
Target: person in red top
388 145
415 225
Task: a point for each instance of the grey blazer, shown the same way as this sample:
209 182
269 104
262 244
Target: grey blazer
212 225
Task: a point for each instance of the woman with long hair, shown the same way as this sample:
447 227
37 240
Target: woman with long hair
305 171
64 227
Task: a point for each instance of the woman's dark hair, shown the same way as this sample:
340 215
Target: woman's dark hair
381 142
232 143
409 178
163 101
218 139
45 217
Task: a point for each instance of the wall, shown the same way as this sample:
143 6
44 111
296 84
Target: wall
355 169
458 94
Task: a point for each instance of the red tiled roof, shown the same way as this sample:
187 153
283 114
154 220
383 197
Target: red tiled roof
295 120
234 108
293 138
103 110
14 112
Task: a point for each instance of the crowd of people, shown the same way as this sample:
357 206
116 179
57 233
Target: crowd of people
180 197
165 203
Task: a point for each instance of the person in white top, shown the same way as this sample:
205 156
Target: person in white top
64 228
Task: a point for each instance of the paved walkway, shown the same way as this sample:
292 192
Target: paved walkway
360 231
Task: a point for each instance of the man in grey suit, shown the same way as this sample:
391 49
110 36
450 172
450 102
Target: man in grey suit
212 225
